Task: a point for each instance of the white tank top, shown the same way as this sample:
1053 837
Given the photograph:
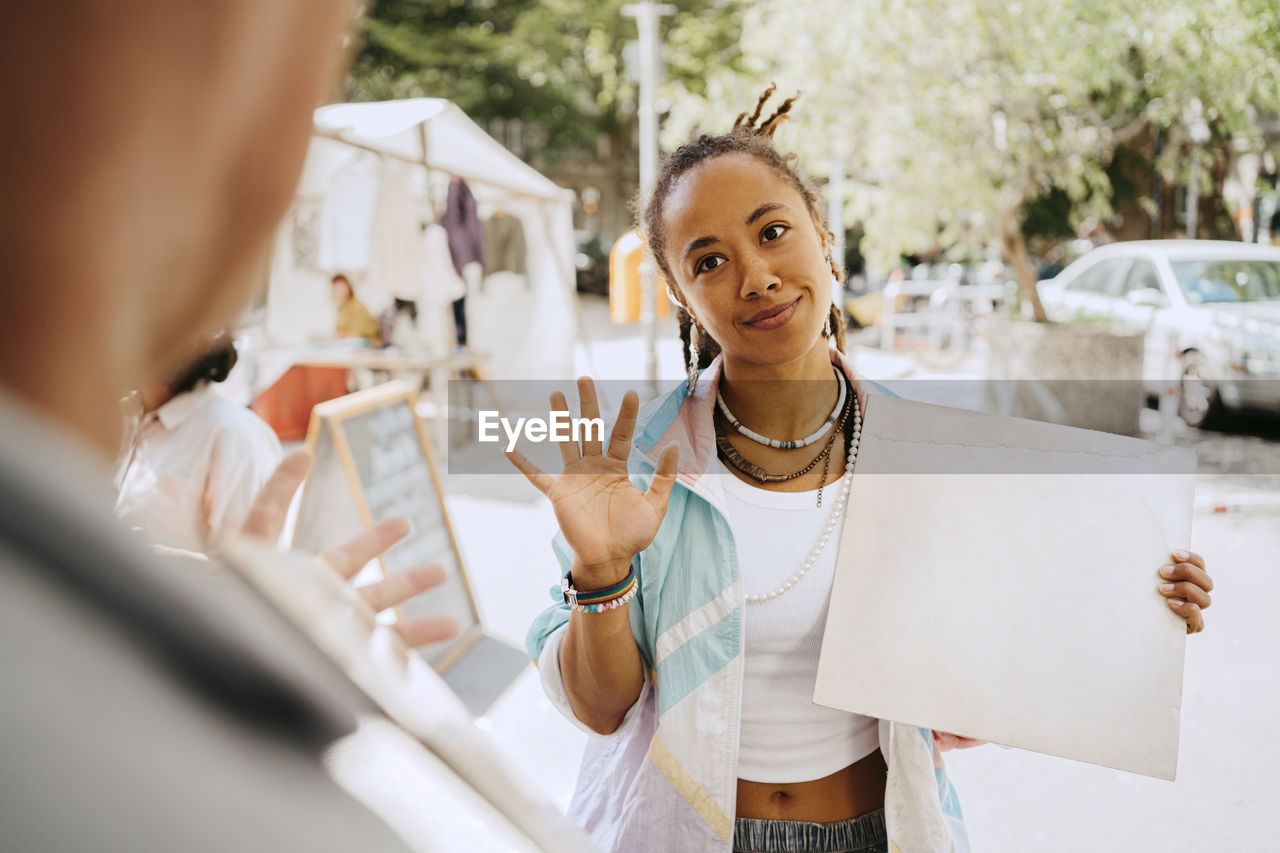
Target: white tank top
784 736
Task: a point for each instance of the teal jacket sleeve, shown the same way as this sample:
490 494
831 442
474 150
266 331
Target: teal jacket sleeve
557 614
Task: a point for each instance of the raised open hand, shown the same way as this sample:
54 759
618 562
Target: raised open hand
605 519
267 517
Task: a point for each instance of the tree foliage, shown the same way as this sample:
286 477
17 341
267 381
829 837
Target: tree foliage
952 115
556 64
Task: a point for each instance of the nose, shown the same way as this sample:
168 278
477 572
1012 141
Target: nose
757 276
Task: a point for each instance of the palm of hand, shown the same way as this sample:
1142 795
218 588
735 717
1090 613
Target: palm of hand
602 515
604 518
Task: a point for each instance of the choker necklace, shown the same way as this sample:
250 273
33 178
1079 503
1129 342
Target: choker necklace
759 475
778 442
837 511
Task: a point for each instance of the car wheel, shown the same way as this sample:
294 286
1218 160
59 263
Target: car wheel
1198 402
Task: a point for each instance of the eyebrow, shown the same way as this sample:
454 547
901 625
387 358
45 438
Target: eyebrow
695 245
763 209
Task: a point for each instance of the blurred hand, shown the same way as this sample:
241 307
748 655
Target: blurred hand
945 741
605 519
266 520
1186 584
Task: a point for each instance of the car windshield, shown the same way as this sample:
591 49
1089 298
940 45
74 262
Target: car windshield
1228 280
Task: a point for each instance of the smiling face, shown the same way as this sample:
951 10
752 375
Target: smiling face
750 264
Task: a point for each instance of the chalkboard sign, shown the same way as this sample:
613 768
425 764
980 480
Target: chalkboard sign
373 461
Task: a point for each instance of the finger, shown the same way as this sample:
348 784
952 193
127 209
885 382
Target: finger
947 741
663 480
944 740
402 586
1187 592
968 742
624 429
1189 612
1188 556
349 557
569 450
1187 572
270 508
421 632
541 480
590 411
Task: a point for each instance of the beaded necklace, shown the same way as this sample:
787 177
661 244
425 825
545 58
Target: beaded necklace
759 475
837 510
785 444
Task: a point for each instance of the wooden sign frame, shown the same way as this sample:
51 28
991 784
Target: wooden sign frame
330 415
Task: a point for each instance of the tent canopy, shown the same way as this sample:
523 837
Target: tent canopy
374 172
436 133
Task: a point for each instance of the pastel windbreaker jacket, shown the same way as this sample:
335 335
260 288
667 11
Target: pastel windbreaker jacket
666 780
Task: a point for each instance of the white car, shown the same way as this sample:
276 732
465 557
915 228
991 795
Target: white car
1210 310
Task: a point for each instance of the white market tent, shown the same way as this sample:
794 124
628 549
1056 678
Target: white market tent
438 132
374 171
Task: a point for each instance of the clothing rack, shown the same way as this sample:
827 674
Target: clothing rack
567 275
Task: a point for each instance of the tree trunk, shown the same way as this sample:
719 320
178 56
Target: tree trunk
1015 253
1216 220
1168 205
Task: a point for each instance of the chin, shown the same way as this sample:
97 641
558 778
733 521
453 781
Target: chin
781 352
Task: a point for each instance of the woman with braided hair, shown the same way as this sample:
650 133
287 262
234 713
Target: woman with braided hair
698 556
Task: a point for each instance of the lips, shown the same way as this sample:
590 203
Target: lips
775 317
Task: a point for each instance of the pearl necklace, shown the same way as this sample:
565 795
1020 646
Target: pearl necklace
779 443
836 511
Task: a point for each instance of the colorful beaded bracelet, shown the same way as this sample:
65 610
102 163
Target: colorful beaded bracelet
612 604
600 600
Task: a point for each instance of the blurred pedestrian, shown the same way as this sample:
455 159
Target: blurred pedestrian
197 460
146 708
354 320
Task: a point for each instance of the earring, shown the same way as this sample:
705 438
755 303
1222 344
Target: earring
692 382
828 325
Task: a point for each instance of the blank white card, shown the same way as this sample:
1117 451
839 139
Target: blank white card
997 579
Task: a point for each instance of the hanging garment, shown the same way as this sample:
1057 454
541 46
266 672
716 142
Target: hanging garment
394 258
441 283
504 246
349 209
466 244
508 324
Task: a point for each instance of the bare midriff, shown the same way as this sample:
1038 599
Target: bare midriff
852 792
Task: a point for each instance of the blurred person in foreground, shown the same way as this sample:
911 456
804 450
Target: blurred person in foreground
197 460
146 708
698 558
354 320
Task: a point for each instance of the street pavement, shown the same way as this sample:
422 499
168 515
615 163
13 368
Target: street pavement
1229 767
